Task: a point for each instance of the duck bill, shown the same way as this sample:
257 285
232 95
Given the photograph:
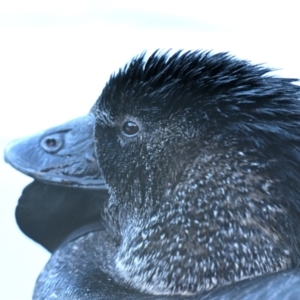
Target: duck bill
63 155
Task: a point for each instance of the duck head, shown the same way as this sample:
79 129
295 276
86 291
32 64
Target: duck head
201 155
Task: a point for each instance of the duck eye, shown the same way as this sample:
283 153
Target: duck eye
130 129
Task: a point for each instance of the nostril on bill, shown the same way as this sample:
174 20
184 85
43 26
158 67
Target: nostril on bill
52 143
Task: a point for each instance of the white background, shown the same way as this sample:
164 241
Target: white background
55 57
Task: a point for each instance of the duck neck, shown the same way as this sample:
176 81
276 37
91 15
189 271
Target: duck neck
214 229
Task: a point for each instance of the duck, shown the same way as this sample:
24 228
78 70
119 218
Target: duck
262 285
200 153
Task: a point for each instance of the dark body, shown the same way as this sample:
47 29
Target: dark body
50 214
74 272
67 220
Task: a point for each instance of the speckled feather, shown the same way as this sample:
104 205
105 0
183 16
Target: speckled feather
75 271
207 193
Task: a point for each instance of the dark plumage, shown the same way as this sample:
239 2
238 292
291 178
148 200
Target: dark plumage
243 190
74 272
75 263
51 214
201 156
